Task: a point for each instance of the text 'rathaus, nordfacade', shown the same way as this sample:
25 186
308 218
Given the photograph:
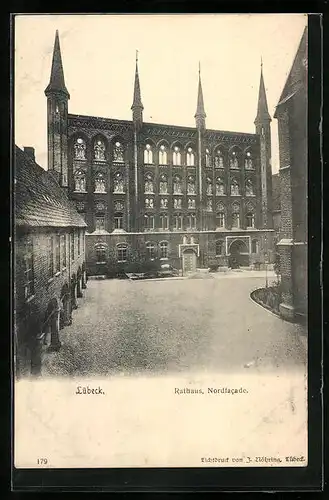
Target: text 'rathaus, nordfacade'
187 195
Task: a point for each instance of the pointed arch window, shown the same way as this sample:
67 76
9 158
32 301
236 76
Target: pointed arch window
219 159
209 186
220 187
248 162
148 154
191 203
220 215
164 221
163 159
208 160
190 157
235 215
100 183
209 205
163 249
250 220
164 203
122 252
220 248
249 188
80 181
149 203
149 184
178 221
163 184
177 203
148 222
80 149
151 250
191 221
99 150
177 185
118 152
176 156
235 189
118 183
255 246
191 185
234 162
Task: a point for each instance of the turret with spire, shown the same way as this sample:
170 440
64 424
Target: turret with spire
137 106
263 129
200 115
57 109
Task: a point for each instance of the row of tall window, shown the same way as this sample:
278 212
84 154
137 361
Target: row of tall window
219 189
235 159
179 221
156 250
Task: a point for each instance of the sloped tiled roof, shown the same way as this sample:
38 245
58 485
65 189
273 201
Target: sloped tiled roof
276 195
39 200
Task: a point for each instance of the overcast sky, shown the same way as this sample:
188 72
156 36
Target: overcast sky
98 53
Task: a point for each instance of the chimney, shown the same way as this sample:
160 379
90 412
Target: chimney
29 152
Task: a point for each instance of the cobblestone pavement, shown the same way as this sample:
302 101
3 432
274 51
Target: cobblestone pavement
124 326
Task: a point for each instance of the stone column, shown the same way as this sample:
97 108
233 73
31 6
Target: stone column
55 343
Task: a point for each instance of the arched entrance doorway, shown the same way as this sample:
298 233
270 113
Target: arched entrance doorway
189 260
51 325
239 254
65 315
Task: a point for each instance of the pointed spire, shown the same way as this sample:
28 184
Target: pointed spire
137 102
262 109
200 113
57 82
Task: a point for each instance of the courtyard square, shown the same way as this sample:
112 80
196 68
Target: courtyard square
129 327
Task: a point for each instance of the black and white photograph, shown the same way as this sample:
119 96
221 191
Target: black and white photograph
160 225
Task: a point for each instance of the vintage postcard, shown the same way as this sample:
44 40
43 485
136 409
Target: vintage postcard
160 191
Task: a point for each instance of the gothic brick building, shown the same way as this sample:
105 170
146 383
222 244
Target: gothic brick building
49 262
187 195
291 113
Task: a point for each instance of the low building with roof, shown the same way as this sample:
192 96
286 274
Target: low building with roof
50 269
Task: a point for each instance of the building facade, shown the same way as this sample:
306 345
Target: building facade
50 268
291 113
187 195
